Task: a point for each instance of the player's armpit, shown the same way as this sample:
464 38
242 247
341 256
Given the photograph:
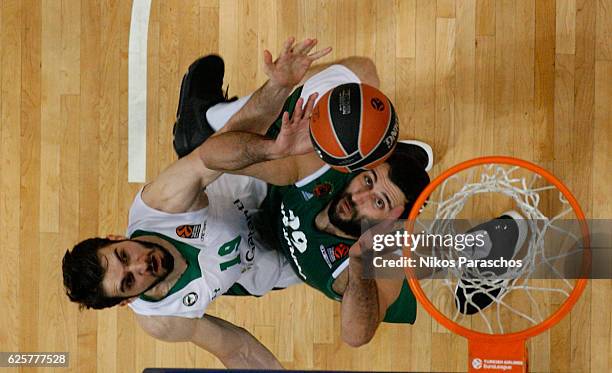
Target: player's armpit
234 346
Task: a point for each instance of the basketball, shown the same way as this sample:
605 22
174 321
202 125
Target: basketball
354 127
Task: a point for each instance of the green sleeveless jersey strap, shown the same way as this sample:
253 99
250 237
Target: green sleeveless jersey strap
289 106
404 309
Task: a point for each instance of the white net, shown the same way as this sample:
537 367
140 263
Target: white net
521 296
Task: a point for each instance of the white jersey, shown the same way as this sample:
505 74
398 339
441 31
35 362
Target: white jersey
221 244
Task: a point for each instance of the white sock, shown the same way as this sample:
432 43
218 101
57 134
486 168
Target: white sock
219 114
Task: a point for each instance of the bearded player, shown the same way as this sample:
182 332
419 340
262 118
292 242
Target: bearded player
317 212
193 234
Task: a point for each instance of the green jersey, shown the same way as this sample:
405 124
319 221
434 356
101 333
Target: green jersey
316 256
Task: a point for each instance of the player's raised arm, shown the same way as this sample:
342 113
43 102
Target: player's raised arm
365 301
278 161
177 189
233 345
264 106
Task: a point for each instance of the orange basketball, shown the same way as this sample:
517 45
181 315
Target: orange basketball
354 127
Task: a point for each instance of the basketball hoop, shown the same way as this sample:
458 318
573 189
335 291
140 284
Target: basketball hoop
524 308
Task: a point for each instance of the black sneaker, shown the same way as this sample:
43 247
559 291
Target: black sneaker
201 89
420 151
506 235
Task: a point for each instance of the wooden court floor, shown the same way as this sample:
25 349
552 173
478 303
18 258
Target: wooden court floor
531 79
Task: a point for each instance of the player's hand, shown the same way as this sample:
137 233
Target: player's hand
294 136
291 66
365 243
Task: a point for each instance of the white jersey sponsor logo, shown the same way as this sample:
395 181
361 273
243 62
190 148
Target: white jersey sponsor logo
190 299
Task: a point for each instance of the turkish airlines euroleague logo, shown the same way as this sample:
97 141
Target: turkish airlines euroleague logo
341 250
189 230
322 190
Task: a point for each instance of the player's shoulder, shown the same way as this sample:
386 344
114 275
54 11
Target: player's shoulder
139 211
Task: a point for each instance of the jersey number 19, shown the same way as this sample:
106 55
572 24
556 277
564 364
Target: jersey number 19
227 249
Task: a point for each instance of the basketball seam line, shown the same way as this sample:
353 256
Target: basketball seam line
390 117
360 122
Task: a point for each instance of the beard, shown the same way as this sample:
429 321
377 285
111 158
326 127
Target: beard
350 226
167 262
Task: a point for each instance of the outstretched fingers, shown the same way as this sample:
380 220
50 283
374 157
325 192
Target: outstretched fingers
298 111
305 46
268 64
310 104
285 120
302 111
319 54
288 45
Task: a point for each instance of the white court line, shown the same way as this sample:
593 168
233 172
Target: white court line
137 91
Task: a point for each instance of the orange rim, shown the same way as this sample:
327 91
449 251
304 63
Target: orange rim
415 286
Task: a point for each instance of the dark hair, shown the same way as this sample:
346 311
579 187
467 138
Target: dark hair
409 175
83 275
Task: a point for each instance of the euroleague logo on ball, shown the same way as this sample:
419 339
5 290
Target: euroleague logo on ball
477 363
377 104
